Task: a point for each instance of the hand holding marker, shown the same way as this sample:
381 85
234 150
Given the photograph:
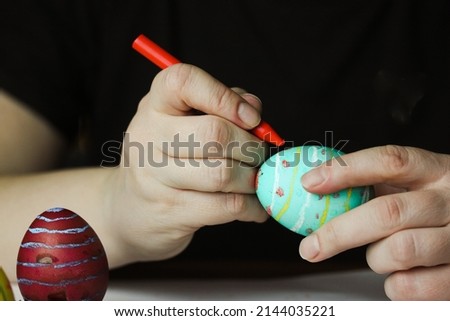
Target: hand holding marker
163 59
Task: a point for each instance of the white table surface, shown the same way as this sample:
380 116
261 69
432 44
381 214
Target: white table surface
355 285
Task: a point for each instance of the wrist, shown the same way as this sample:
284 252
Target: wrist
113 210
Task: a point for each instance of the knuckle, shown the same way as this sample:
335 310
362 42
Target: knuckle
395 159
220 98
236 204
177 77
220 178
391 216
215 130
403 250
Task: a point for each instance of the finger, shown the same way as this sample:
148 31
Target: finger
431 284
250 98
239 90
179 88
410 248
208 137
207 175
396 165
376 220
253 100
207 209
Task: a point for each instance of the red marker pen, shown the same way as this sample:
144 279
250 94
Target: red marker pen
163 59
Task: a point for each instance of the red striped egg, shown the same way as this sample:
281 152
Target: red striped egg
61 258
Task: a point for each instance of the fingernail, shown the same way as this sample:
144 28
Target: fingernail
252 99
313 178
309 247
249 115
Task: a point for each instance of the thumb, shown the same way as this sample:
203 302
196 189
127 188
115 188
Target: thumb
182 88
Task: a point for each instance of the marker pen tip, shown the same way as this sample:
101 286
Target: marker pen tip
265 132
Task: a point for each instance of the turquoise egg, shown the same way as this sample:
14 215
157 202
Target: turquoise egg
281 193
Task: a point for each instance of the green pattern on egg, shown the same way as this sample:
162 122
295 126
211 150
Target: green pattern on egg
280 191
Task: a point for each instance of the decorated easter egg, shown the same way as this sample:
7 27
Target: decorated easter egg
281 193
61 258
6 293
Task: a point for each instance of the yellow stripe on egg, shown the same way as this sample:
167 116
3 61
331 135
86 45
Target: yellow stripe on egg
324 216
347 201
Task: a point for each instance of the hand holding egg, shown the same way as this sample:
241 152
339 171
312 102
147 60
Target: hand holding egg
406 227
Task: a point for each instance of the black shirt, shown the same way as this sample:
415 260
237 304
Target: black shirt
367 72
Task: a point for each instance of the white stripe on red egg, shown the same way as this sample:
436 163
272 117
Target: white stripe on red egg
61 265
39 245
60 218
77 230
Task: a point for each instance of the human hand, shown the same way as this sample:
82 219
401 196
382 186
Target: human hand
180 170
407 226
